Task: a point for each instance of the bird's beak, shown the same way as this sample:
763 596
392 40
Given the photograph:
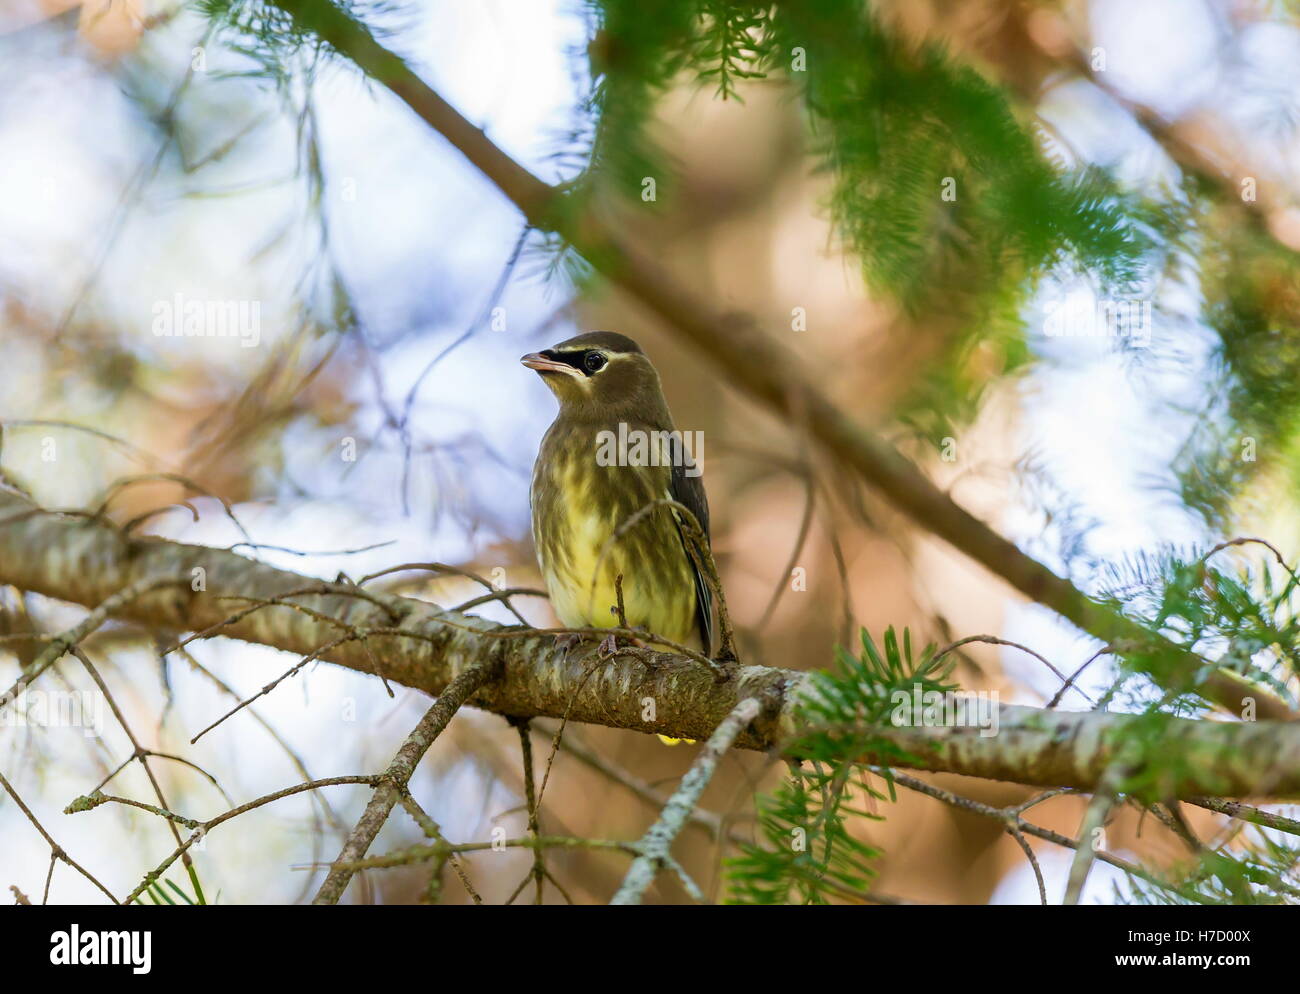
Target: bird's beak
545 364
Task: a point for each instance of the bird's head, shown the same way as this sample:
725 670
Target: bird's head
598 372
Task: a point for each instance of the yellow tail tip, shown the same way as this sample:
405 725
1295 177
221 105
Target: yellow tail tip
666 740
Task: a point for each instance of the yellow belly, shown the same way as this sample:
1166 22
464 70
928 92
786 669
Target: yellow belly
581 559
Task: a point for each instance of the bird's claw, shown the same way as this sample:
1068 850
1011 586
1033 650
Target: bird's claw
610 645
565 642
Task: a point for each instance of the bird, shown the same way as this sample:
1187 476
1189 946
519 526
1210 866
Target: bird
599 495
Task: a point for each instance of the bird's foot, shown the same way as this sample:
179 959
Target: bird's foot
727 664
610 646
565 643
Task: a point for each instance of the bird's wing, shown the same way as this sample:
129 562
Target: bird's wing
689 492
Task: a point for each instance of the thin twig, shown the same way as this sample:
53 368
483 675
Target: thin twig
398 775
89 802
530 796
140 753
64 641
57 852
656 844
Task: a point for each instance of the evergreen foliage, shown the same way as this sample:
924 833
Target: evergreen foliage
807 853
893 125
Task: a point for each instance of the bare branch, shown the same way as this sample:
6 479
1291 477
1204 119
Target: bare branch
88 563
394 780
57 852
656 845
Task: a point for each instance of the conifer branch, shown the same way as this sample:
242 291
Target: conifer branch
766 371
425 647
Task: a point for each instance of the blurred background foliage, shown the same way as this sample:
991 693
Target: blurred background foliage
917 195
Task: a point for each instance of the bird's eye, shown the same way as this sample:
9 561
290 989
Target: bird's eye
594 362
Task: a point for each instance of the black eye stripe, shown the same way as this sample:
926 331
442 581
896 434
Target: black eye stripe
573 359
578 360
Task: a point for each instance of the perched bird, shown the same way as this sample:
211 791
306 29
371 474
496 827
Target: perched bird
603 463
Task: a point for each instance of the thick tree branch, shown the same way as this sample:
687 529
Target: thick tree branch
423 646
757 365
